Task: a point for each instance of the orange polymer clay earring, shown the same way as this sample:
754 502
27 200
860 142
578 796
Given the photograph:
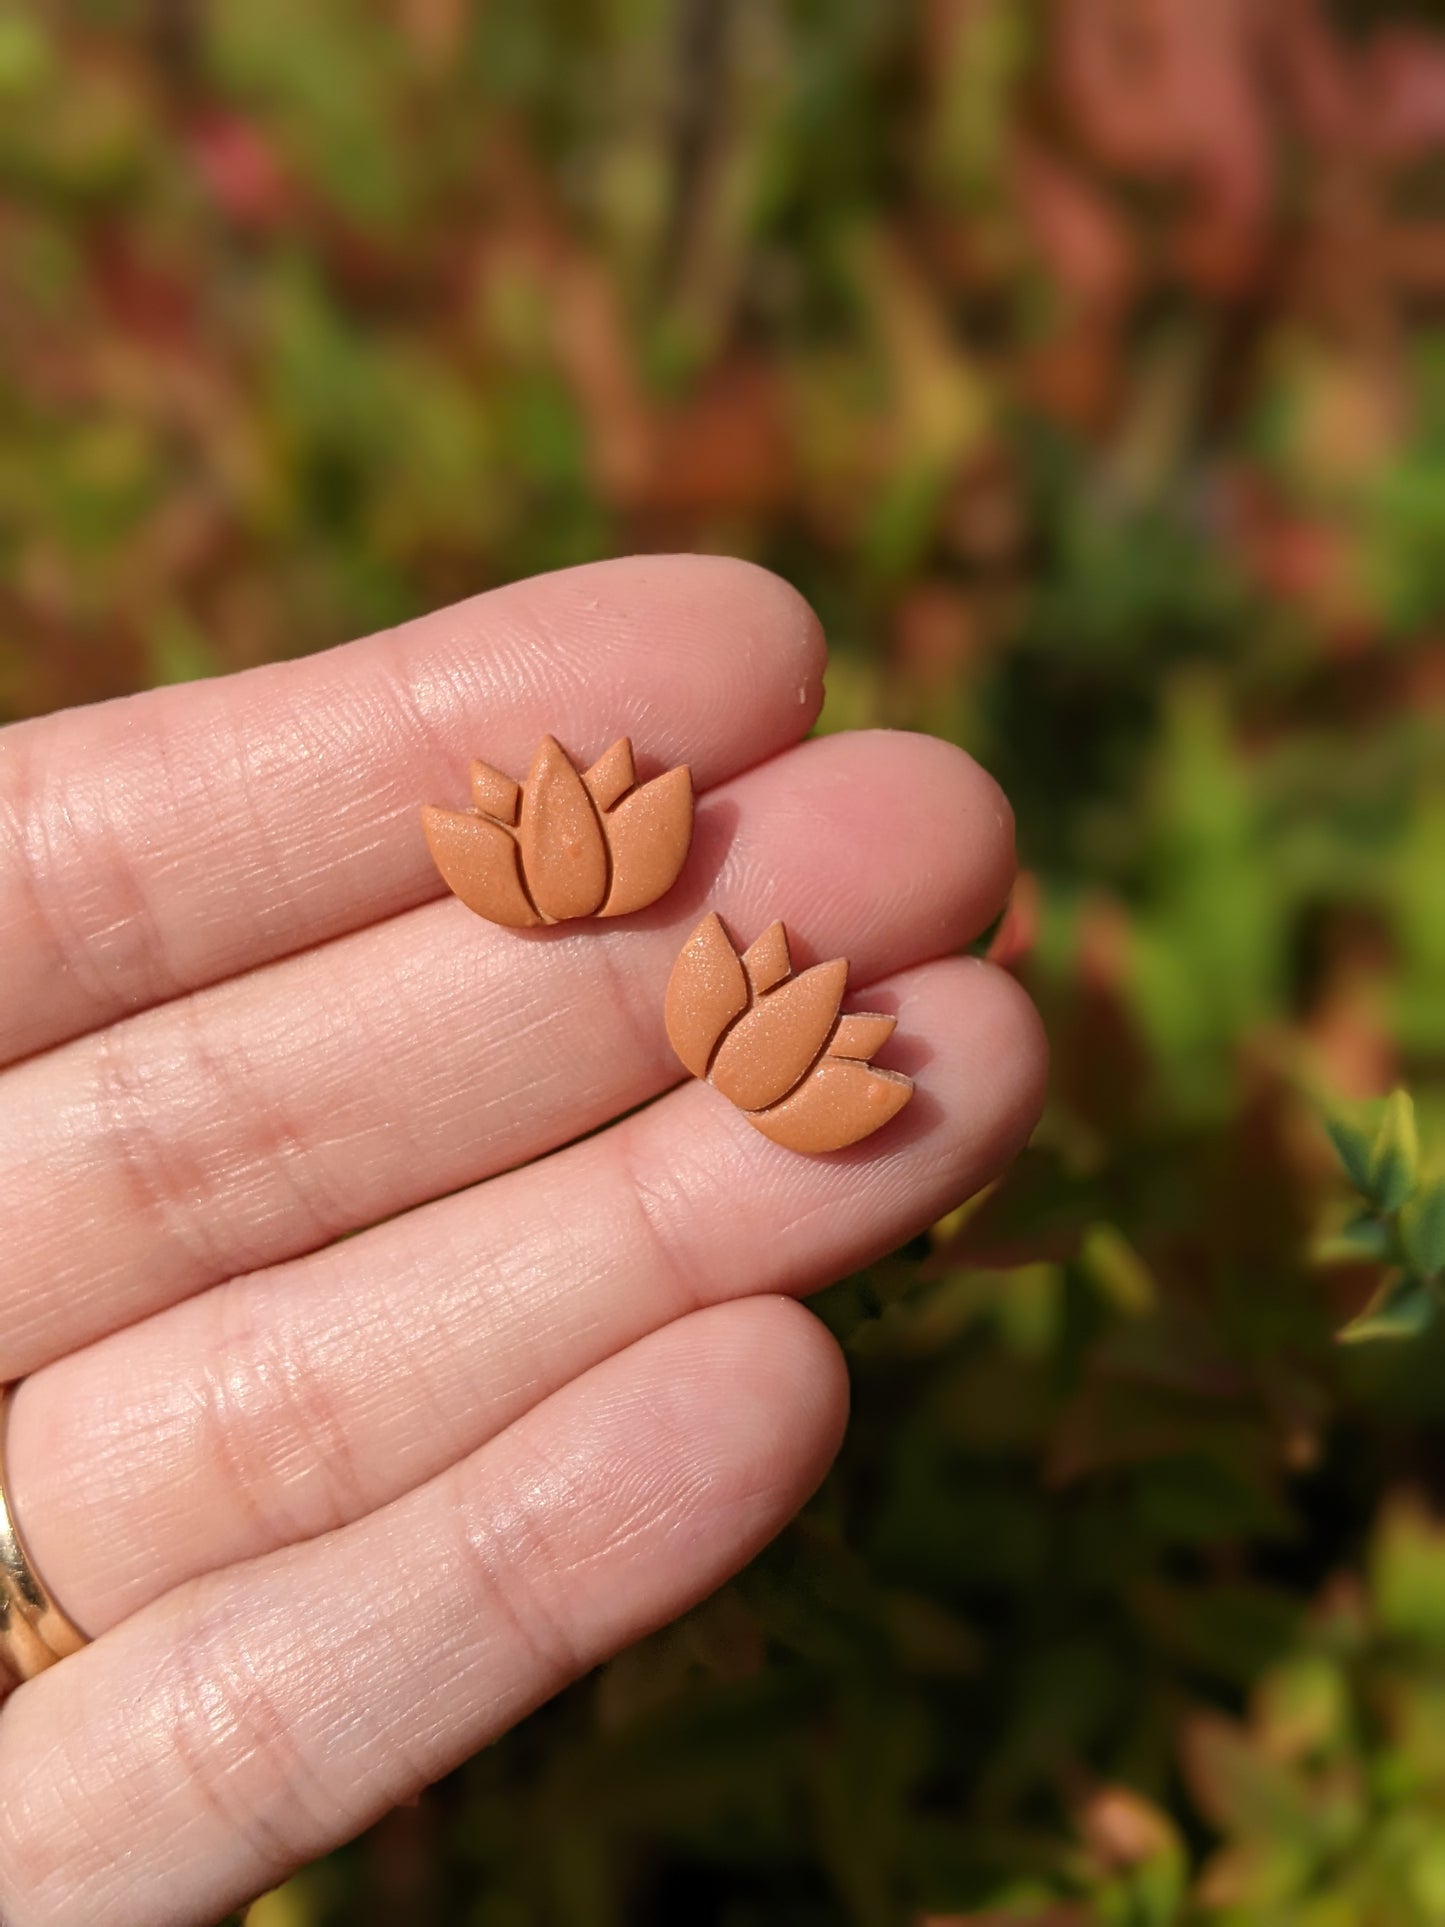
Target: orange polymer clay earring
561 845
777 1045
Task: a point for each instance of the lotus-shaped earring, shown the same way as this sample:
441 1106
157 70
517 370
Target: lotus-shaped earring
777 1044
562 845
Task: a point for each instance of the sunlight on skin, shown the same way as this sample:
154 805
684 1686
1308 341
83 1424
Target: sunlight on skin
350 1505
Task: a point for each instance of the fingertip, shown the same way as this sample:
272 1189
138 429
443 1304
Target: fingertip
780 638
767 597
1019 1042
810 1383
786 1387
703 659
761 608
987 1062
964 803
928 836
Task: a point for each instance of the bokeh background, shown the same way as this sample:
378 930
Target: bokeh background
1084 362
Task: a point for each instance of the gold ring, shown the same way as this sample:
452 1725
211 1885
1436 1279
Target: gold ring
34 1632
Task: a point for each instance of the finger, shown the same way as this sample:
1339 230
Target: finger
265 1116
173 839
288 1403
245 1725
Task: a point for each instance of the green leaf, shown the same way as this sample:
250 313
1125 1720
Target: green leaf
26 59
1422 1230
1239 1788
1365 1238
178 650
1407 1571
1302 1706
1118 1271
1395 1157
1402 1308
1352 1147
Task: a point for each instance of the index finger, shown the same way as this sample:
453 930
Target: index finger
161 842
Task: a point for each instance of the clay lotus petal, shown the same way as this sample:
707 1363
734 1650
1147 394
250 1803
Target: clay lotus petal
797 1069
612 775
766 1052
564 857
861 1034
767 961
588 845
495 794
706 991
649 834
841 1102
478 861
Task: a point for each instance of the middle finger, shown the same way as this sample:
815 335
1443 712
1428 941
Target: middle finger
260 1119
283 1405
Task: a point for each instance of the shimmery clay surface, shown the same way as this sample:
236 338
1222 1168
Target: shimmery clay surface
776 1044
561 845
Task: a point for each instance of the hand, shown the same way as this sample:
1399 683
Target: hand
338 1509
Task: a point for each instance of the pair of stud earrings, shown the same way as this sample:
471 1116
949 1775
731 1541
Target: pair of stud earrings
563 845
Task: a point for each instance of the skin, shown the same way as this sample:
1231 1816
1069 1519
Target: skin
339 1509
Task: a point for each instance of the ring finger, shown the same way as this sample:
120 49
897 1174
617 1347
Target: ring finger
261 1118
290 1402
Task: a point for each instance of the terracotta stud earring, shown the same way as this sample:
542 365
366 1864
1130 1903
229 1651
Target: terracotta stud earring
562 845
777 1044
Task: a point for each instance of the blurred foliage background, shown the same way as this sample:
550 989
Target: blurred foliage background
1084 361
